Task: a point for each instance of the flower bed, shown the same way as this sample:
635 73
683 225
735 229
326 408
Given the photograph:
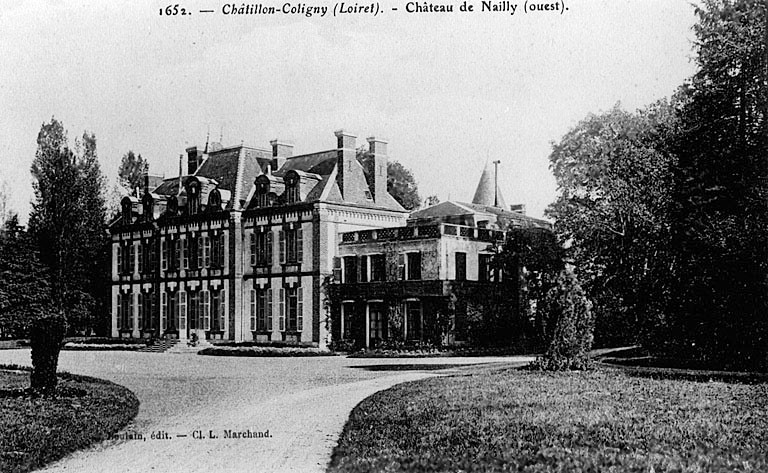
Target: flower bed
263 351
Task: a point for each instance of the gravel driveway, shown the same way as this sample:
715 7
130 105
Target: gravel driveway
232 402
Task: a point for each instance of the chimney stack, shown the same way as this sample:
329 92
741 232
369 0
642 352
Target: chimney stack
280 152
378 148
346 156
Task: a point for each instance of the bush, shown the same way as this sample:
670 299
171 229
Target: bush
47 334
569 325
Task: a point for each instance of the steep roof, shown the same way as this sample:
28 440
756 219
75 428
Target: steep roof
233 168
485 195
450 210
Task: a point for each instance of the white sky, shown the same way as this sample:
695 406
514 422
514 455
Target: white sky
447 90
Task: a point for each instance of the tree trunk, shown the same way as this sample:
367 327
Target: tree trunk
46 335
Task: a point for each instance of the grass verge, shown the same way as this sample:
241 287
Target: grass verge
38 430
514 420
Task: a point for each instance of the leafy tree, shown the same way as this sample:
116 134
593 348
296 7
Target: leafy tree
67 221
131 170
400 182
720 216
431 200
24 290
554 308
614 175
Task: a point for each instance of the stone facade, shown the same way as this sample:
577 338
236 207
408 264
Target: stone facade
239 247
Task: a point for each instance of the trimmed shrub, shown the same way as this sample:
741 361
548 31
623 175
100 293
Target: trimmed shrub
47 334
568 325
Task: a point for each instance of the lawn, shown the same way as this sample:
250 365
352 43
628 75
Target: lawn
38 430
512 420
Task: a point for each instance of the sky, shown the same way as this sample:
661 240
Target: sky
449 91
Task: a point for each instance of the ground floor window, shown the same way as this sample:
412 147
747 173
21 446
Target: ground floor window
125 310
415 321
261 309
218 310
146 305
376 321
347 314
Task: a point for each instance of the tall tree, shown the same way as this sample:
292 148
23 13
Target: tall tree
67 220
721 195
614 176
400 181
131 170
24 290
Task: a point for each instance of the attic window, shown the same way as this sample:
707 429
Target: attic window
292 188
214 201
127 211
262 192
193 198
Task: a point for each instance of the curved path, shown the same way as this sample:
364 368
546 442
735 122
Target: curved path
302 402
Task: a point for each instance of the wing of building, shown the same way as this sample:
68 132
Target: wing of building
260 245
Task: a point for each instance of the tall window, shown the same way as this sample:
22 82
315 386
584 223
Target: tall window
145 320
185 244
292 188
261 248
291 246
204 251
484 267
291 309
125 310
376 322
350 269
461 266
347 313
217 250
261 309
194 310
169 311
377 268
218 310
414 327
409 266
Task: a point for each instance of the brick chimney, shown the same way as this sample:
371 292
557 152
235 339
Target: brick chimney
280 152
378 148
347 155
194 159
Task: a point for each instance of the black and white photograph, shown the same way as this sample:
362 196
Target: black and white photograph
400 236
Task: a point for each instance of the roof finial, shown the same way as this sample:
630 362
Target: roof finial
207 138
496 183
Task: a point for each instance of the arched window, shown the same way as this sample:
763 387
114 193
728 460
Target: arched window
127 210
214 201
193 197
292 187
261 195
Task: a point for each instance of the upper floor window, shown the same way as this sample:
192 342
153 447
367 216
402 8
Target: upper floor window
461 266
486 269
261 248
350 269
291 246
409 266
126 258
378 272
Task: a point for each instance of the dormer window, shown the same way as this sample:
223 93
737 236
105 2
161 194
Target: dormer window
292 187
193 197
127 211
261 195
147 203
214 201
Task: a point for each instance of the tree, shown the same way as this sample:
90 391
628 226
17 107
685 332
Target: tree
614 175
24 289
552 306
431 200
720 213
5 211
131 170
67 221
400 182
